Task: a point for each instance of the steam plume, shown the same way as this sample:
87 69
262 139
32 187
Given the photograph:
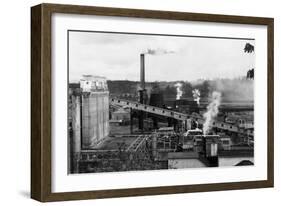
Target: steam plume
196 96
179 91
234 89
212 111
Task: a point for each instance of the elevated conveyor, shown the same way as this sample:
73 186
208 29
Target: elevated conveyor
176 115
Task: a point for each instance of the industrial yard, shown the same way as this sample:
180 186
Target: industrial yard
129 125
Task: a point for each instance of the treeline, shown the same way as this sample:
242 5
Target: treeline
231 89
122 86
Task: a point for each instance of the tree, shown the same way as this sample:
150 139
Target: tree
204 88
249 48
170 91
187 90
155 87
250 74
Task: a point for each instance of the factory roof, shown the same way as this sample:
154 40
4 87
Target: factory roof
121 111
235 117
183 155
162 129
245 163
74 85
91 77
235 152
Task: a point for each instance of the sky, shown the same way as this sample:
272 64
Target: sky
117 57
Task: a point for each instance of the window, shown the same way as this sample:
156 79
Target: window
84 157
225 141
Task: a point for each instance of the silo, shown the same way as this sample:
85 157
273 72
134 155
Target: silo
95 110
74 134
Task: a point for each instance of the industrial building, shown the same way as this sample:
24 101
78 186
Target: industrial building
94 112
88 113
122 115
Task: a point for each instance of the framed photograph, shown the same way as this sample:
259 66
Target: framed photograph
130 102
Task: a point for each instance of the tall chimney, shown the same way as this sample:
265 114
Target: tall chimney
142 90
142 72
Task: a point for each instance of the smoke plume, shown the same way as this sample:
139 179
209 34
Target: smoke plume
179 90
212 111
196 96
234 89
158 51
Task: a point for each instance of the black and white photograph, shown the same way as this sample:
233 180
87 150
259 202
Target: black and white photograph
139 101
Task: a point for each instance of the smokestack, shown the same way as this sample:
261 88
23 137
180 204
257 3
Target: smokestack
142 72
142 90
